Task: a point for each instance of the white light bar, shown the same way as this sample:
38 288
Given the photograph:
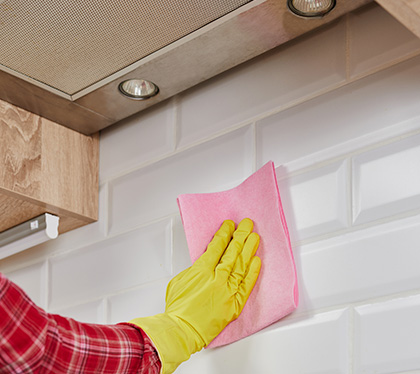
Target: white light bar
28 234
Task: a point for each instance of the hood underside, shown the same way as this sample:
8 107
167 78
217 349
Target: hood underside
65 59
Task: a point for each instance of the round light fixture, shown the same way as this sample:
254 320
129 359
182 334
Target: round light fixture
138 89
311 8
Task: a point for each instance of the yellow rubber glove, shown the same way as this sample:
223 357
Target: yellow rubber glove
203 299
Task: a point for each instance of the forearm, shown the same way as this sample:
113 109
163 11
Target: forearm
35 341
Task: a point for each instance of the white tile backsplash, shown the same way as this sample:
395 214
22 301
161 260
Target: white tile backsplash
387 336
387 180
150 193
315 202
180 257
316 345
346 144
92 312
111 265
32 280
137 140
272 80
359 266
143 302
346 113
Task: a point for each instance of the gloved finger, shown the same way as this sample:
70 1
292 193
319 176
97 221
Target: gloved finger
217 246
244 259
249 281
235 247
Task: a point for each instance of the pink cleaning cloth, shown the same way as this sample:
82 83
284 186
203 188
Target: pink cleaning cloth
276 293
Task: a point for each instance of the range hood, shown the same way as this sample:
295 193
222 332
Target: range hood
65 59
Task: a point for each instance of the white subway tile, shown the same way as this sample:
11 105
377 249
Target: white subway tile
315 202
316 345
387 180
180 256
32 279
144 302
376 38
376 102
272 80
124 261
387 336
137 139
365 264
92 312
150 193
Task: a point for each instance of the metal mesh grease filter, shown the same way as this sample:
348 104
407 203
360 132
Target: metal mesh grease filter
72 44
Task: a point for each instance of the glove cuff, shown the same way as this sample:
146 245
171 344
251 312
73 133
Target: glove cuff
174 339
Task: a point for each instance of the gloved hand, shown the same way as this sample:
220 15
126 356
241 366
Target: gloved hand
203 299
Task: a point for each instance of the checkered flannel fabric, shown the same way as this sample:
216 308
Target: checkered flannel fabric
34 341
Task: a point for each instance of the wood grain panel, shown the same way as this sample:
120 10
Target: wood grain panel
72 162
20 151
22 211
14 210
46 168
405 11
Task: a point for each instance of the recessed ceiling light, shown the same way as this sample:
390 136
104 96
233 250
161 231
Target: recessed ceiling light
138 89
311 8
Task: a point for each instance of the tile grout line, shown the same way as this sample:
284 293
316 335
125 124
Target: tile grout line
355 304
178 151
105 309
33 262
106 296
116 234
176 122
108 211
334 154
254 146
105 209
351 340
79 247
350 192
357 228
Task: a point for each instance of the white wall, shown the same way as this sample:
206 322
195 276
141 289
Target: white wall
338 111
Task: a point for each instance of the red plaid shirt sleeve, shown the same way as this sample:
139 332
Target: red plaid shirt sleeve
33 341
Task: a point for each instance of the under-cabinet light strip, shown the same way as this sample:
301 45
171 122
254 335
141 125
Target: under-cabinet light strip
28 234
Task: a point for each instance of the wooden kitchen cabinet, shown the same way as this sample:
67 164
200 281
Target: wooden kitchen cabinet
46 168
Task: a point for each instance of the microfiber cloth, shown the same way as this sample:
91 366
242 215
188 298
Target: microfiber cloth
276 292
